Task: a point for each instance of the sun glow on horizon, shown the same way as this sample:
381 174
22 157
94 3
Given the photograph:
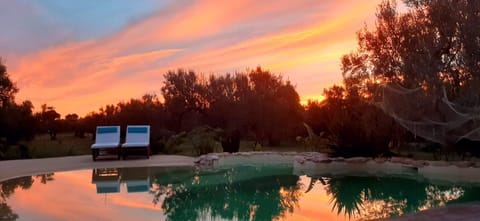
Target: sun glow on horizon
314 98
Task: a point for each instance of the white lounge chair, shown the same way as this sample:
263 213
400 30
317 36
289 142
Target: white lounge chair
106 138
138 137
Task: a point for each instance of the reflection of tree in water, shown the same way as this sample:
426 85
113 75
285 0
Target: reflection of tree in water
365 198
240 194
8 187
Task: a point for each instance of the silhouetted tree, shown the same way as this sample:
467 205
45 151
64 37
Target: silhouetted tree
16 120
354 126
7 87
434 46
256 103
73 123
49 120
275 109
184 97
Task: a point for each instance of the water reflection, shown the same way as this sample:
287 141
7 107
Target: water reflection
8 188
238 193
243 193
108 180
253 193
365 198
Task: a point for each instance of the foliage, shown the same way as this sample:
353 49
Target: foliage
433 45
353 126
16 120
7 87
314 142
257 103
48 120
147 110
201 140
65 145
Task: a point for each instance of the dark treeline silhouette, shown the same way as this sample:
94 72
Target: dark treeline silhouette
16 120
354 126
256 105
48 121
433 47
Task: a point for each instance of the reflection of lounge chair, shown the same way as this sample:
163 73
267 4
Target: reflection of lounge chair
136 179
107 138
138 137
107 180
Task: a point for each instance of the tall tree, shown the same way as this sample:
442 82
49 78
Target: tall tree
183 95
49 120
430 52
256 103
7 87
433 45
16 120
276 107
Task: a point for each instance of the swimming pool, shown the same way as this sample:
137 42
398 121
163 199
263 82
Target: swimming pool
267 192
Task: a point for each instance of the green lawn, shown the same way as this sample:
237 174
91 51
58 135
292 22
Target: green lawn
65 145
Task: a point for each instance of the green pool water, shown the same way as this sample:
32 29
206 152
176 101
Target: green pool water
234 193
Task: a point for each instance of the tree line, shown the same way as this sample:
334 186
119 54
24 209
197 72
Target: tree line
255 105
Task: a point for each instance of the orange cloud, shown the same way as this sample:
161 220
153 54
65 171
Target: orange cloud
302 39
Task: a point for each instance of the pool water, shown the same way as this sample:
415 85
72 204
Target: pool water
235 193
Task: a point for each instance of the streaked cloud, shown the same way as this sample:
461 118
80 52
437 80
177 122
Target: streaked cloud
303 40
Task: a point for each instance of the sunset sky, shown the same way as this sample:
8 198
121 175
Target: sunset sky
78 56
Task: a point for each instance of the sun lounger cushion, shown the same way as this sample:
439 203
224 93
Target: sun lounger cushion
137 136
107 137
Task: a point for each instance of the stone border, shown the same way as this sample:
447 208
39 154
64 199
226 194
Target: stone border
318 164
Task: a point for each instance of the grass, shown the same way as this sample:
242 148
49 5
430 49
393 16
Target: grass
65 145
245 146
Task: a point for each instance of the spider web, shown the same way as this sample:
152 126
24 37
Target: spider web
430 115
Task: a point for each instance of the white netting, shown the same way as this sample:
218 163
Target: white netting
431 116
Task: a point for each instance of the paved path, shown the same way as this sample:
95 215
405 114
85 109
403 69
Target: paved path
17 168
